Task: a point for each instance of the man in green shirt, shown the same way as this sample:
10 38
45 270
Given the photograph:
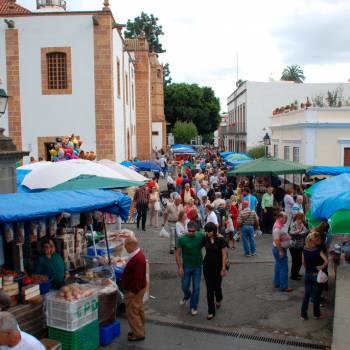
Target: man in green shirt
189 261
267 207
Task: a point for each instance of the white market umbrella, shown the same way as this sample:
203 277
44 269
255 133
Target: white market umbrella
36 165
61 172
123 170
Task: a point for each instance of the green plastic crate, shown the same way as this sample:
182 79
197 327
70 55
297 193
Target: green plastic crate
85 338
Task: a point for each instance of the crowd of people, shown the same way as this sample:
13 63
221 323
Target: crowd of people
209 210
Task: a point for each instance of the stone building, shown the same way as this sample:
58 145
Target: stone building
69 72
250 105
151 127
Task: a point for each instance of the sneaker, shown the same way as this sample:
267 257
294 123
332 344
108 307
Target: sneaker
183 302
248 255
194 312
210 317
287 290
303 318
253 254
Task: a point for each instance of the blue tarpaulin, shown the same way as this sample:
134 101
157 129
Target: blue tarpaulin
147 165
32 206
330 195
182 149
329 170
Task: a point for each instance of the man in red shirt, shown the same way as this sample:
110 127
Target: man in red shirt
134 283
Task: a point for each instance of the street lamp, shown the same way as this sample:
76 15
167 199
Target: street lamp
267 143
3 101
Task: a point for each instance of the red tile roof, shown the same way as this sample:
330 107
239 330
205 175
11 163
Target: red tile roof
9 7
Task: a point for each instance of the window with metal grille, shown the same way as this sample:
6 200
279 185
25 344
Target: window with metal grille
286 152
118 78
57 70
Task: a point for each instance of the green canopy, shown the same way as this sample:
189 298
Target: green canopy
89 182
311 220
339 222
268 166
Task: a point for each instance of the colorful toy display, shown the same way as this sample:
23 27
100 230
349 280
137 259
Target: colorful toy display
69 147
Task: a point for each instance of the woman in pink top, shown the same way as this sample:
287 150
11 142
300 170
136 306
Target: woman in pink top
279 250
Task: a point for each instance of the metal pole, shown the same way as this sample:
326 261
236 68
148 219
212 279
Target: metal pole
106 239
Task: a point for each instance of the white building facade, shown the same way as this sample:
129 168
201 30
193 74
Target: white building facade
314 136
67 73
250 107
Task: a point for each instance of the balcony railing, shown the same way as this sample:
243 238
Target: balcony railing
232 130
44 3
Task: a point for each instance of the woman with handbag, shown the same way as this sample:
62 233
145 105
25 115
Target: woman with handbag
298 232
214 267
154 207
281 242
314 261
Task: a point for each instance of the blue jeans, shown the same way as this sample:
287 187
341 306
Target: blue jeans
248 239
194 273
312 290
281 269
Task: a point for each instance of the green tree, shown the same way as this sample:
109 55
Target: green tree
166 74
184 132
147 24
257 152
192 103
293 73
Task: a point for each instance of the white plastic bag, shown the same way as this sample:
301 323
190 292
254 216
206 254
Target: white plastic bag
258 233
322 277
164 233
157 206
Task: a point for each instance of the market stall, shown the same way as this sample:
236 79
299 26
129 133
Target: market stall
182 152
64 217
330 202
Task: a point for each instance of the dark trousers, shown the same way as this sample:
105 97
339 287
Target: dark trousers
141 214
267 220
312 290
214 291
297 261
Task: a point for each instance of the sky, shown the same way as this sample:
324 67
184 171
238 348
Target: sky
203 38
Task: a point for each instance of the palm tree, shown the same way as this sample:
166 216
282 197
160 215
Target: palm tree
293 73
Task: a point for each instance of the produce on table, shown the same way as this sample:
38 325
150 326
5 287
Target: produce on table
74 292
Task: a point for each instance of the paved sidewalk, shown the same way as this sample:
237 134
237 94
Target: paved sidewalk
251 305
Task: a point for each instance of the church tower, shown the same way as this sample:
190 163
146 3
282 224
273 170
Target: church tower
51 5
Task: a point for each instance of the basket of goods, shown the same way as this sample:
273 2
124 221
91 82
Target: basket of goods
72 307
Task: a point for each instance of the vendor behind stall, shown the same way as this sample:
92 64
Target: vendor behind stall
51 264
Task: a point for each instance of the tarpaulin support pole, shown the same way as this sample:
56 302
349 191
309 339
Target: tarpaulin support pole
106 238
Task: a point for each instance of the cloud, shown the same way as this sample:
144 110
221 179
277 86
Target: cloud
316 37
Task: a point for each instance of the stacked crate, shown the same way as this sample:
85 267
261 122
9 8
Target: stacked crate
66 244
80 247
72 245
73 323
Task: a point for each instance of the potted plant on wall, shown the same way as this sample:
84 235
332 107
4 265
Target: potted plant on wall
287 109
302 105
282 109
308 104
